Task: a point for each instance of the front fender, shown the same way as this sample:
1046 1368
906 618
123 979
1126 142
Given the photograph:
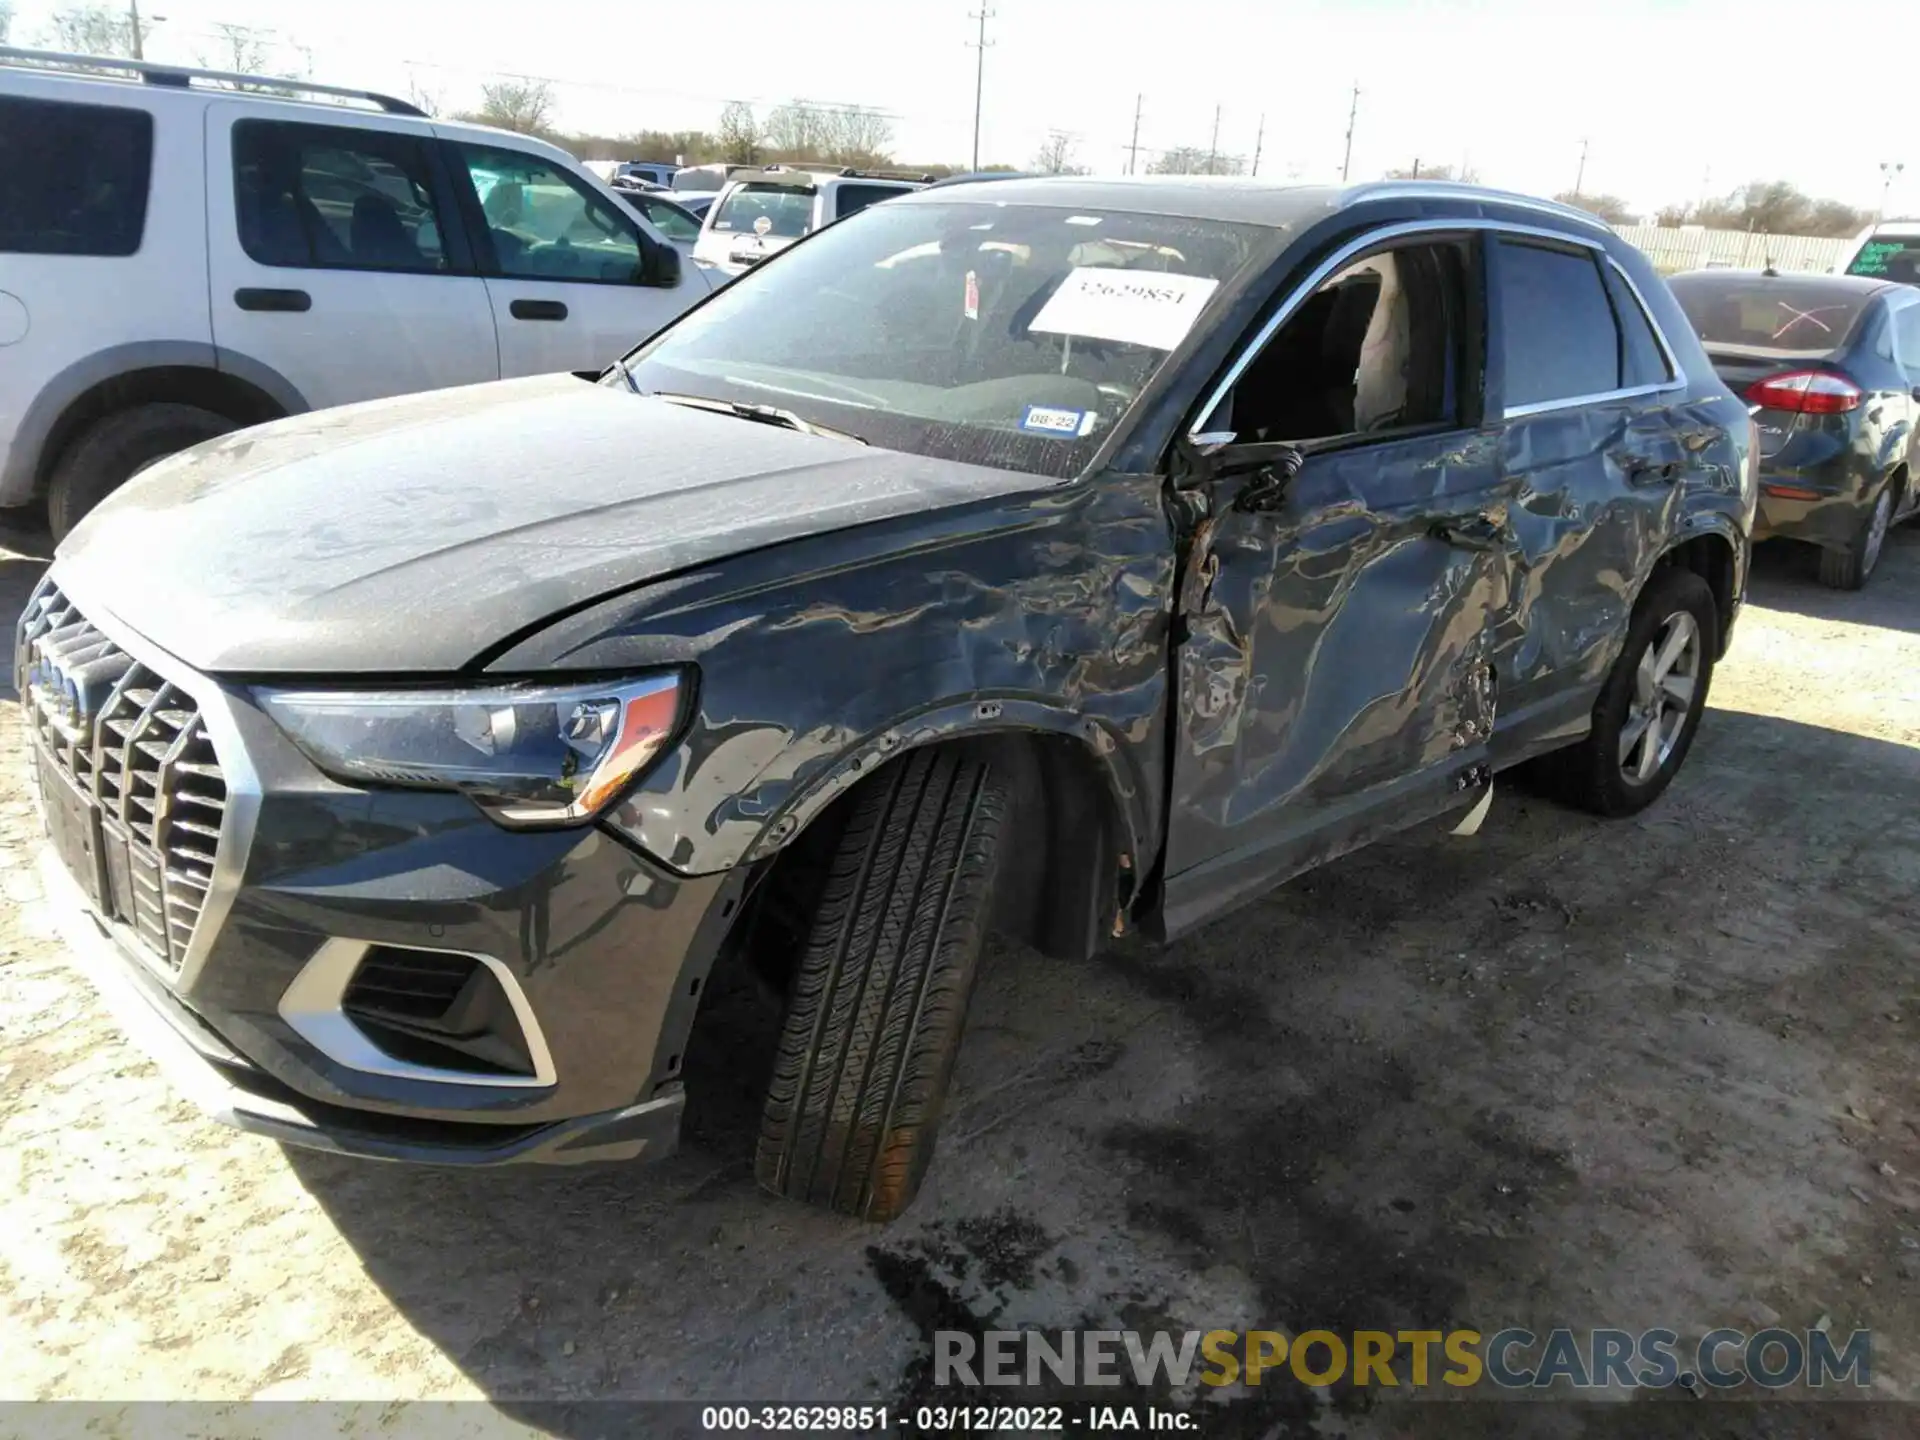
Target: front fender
819 659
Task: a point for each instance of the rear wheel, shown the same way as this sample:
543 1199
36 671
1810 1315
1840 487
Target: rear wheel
112 451
879 995
1848 569
1650 705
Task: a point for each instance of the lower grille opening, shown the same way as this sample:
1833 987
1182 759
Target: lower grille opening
427 1007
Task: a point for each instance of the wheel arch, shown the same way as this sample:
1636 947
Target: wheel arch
179 372
1079 826
1711 551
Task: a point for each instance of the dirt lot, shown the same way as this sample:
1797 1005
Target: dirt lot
1657 1072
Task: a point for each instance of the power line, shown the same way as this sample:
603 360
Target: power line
979 77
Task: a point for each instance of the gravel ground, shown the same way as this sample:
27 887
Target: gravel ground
1656 1072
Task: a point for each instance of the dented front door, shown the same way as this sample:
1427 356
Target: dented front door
1334 678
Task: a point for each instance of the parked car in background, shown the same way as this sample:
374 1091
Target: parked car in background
1833 362
647 172
1889 250
351 247
671 219
761 212
1062 558
695 203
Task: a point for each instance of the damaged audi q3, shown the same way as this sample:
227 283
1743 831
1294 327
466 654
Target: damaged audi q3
1058 558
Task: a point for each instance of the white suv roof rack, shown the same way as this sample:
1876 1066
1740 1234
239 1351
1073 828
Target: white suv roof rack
182 76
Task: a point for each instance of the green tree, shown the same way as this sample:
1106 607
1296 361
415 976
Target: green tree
738 139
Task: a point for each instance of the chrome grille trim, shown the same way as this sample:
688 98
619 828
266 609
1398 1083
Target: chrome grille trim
162 758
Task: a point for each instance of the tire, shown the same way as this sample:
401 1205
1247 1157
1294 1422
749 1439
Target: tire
1593 774
109 452
880 992
1848 569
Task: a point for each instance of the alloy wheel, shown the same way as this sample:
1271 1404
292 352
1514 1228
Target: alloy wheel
1877 531
1664 684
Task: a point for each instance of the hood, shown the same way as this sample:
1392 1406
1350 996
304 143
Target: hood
410 535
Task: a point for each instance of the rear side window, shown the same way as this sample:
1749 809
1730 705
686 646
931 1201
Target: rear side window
1642 362
73 178
335 197
849 198
1556 325
1906 335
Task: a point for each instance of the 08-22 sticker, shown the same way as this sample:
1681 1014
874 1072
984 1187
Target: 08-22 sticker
1055 420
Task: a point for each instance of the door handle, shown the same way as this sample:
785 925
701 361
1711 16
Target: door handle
1471 532
537 310
292 302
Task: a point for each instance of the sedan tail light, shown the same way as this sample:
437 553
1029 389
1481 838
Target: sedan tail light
1806 392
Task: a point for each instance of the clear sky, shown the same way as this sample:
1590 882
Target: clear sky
1671 97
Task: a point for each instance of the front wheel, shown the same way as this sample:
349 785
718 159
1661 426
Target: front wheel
880 991
1650 705
1848 569
112 451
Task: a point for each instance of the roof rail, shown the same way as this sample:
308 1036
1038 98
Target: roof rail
181 77
915 176
1458 190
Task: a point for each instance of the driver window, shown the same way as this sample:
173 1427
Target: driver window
545 225
1374 351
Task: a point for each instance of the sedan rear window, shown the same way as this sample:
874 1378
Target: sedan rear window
1803 316
788 213
73 178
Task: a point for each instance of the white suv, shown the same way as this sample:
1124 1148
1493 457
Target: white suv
1889 250
179 257
761 212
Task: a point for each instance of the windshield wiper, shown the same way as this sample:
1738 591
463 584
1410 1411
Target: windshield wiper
626 374
763 414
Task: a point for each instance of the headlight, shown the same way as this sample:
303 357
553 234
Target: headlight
529 756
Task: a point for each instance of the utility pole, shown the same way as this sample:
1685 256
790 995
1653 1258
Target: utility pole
980 78
1259 138
1580 176
133 29
1213 147
1416 167
1889 171
1133 150
1353 110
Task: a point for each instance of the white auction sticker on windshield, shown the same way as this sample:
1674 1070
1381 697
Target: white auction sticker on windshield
1133 307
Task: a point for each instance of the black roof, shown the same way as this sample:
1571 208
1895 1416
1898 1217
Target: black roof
1234 198
1837 284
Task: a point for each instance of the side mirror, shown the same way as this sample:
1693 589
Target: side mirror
1272 464
659 264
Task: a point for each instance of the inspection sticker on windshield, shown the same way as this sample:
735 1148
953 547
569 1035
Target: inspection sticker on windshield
1133 307
1046 420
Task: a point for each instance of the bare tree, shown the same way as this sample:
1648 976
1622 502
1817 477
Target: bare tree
91 30
797 131
239 48
423 97
1055 157
510 103
1418 171
1195 160
1610 208
739 134
858 136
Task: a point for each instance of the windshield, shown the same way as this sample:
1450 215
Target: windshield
787 213
1007 335
673 222
1786 316
1889 257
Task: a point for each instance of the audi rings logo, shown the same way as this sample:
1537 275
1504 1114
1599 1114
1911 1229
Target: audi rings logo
61 692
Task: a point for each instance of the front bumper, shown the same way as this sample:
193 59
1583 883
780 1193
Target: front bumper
604 950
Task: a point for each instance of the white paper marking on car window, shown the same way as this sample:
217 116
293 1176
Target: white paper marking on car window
1132 307
1083 220
1047 420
